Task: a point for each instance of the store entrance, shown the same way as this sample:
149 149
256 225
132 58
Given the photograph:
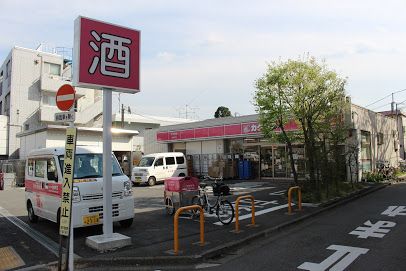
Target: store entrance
275 161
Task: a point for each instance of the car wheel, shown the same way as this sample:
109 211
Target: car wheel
126 223
151 181
31 215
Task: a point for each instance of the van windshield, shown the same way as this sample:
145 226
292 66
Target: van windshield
146 161
90 165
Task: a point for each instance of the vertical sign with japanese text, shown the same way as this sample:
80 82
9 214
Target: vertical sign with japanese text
67 182
106 56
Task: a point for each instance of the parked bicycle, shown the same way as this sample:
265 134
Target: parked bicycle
224 209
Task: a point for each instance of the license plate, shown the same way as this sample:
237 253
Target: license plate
91 219
138 179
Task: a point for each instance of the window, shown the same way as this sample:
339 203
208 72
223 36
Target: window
90 165
146 161
159 162
40 166
366 162
170 160
26 127
380 138
49 100
30 167
1 87
51 168
1 108
180 160
8 69
7 105
52 68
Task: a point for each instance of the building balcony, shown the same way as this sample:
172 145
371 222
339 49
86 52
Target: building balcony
51 83
82 117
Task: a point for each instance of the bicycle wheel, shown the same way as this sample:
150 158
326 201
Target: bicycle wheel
225 212
197 200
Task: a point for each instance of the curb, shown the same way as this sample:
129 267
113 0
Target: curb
219 250
265 233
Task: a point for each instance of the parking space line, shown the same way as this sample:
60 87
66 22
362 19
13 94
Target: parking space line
265 211
37 236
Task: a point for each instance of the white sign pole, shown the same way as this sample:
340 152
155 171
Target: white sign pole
107 166
71 124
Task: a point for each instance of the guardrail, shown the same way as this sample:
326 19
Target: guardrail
176 226
299 198
237 205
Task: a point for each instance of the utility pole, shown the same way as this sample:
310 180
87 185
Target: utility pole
392 105
122 115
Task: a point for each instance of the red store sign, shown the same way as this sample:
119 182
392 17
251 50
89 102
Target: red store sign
249 128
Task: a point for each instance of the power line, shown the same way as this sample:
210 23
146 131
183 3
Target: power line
380 106
395 92
379 100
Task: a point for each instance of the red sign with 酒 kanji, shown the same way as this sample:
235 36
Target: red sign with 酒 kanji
106 56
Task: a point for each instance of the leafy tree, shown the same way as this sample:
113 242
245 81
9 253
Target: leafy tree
222 112
273 105
318 100
307 92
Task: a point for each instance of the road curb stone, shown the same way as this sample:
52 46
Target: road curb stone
219 250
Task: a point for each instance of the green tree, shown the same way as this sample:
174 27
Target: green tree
318 100
222 112
273 105
313 95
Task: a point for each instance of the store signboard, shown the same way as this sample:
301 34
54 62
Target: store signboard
106 56
229 130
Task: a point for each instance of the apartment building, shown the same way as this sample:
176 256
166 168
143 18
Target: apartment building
29 80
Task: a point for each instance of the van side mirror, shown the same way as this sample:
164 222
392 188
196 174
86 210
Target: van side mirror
52 176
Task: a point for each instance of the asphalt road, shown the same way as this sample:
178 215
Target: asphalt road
325 242
151 224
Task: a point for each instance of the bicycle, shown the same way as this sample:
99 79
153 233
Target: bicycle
224 209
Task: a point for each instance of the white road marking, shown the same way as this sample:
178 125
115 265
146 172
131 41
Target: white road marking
278 193
341 259
37 236
206 265
265 211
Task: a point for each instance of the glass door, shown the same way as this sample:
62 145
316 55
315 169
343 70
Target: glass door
280 162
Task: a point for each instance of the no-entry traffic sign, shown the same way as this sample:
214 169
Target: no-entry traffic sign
65 97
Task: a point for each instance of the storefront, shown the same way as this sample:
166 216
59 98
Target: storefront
231 140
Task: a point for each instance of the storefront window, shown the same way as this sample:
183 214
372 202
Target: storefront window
366 163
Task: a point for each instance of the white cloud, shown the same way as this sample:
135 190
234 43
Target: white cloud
220 48
166 56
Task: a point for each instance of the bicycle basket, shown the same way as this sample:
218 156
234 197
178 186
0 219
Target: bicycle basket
221 189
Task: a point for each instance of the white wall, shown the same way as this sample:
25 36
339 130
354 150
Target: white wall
205 147
150 143
3 135
31 142
194 147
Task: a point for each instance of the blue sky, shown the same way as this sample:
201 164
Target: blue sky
209 53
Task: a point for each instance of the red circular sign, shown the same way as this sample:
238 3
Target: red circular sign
65 97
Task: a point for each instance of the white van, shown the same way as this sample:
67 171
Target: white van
43 187
157 167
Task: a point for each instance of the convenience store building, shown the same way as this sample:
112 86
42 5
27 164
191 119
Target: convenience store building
228 140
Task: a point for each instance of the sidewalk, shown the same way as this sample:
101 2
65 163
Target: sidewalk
152 235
